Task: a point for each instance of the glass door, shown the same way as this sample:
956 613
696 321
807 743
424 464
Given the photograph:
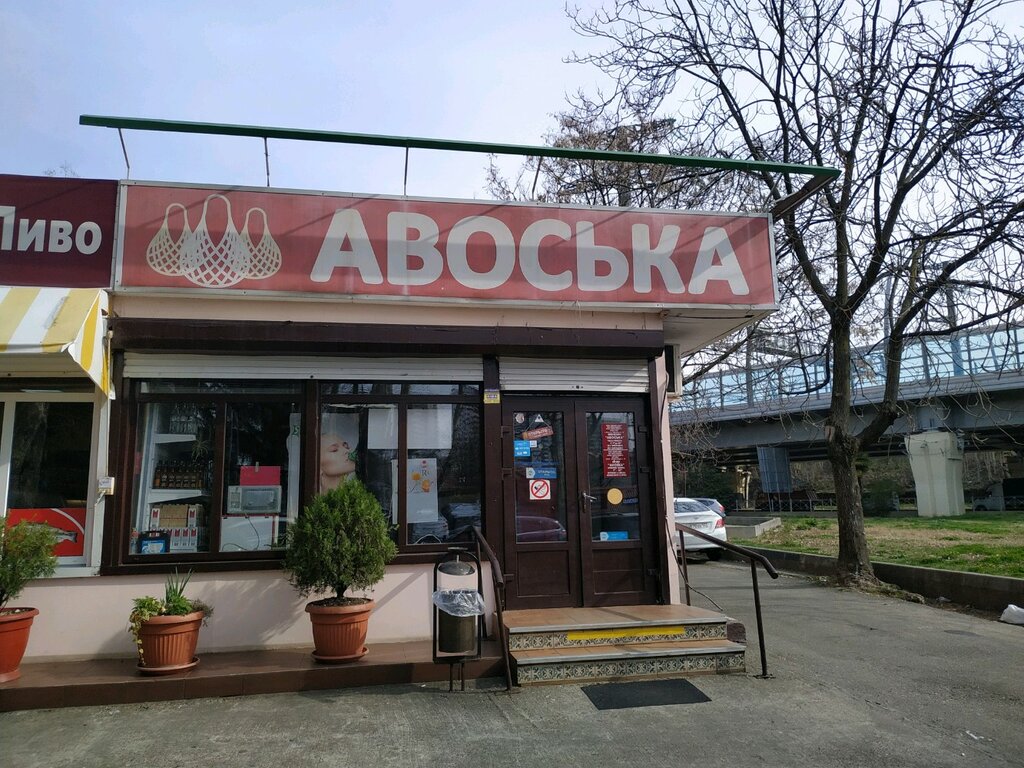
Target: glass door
542 515
616 549
577 527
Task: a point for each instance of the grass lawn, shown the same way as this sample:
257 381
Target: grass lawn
980 542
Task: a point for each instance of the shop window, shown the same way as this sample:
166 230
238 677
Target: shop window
215 472
48 479
262 457
360 441
421 457
218 464
443 472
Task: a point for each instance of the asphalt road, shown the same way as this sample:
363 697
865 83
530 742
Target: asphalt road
858 681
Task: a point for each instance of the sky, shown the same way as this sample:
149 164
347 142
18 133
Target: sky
452 69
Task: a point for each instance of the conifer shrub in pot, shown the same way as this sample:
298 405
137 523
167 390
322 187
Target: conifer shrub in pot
26 553
340 542
166 631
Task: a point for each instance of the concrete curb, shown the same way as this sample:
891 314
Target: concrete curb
991 593
750 527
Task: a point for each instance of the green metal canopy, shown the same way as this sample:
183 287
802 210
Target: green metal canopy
820 176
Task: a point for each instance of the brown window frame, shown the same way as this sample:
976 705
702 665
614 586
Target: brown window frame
309 399
409 553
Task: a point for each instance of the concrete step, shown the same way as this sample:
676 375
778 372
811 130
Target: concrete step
628 661
585 627
632 634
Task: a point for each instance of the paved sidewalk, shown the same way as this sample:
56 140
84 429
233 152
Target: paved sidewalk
859 681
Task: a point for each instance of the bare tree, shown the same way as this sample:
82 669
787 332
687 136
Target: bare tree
918 102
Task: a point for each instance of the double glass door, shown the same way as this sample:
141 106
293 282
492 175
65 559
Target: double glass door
577 527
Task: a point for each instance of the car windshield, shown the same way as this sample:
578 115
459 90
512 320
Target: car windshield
690 506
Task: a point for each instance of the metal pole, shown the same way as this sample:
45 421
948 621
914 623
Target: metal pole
760 626
405 177
533 192
686 575
124 151
266 157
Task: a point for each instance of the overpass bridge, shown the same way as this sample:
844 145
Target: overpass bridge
971 383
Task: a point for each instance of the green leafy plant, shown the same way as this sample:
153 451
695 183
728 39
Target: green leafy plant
174 603
26 553
340 541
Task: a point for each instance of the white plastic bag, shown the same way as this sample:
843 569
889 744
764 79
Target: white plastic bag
460 602
1013 615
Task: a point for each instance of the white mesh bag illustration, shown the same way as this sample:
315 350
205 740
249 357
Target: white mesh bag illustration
210 264
264 256
164 251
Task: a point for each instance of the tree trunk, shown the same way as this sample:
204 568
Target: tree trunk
854 562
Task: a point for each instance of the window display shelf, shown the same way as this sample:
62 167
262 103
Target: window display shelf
158 495
173 437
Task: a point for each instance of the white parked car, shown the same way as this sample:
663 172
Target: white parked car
699 517
714 504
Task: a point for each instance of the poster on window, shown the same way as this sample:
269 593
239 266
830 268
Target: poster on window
67 522
339 449
420 491
615 450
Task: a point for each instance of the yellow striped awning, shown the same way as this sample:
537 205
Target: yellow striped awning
54 332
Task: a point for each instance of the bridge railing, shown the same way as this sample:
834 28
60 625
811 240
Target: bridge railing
935 364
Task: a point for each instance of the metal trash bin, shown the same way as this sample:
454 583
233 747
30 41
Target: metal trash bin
457 613
457 617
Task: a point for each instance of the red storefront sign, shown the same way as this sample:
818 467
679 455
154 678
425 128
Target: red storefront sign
615 449
250 240
56 232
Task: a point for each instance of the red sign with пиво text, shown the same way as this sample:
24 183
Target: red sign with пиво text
179 237
56 232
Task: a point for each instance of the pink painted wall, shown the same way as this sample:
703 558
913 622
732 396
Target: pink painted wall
88 617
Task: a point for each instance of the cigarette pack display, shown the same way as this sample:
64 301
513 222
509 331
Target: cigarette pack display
173 515
154 542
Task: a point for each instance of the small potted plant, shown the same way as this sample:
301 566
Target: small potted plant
26 553
166 631
340 541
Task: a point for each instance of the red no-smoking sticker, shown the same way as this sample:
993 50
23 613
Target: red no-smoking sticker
540 490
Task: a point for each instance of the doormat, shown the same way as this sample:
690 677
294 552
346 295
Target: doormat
644 693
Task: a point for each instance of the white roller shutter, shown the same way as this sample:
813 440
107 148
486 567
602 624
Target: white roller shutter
525 374
138 365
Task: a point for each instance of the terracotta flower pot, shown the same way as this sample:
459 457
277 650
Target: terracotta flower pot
169 643
15 624
339 631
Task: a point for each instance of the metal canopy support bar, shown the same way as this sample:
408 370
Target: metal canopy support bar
820 175
124 151
266 155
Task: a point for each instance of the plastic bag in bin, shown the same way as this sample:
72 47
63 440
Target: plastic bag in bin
460 602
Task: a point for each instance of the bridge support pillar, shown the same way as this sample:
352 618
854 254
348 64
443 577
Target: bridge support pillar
937 461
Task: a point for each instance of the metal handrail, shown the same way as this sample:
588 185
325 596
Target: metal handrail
498 582
753 557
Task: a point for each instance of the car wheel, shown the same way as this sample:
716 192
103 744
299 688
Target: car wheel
714 554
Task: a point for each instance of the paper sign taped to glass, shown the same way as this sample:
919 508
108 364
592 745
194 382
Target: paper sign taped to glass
420 491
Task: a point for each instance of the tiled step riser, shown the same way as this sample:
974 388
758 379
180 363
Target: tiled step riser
619 669
522 641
